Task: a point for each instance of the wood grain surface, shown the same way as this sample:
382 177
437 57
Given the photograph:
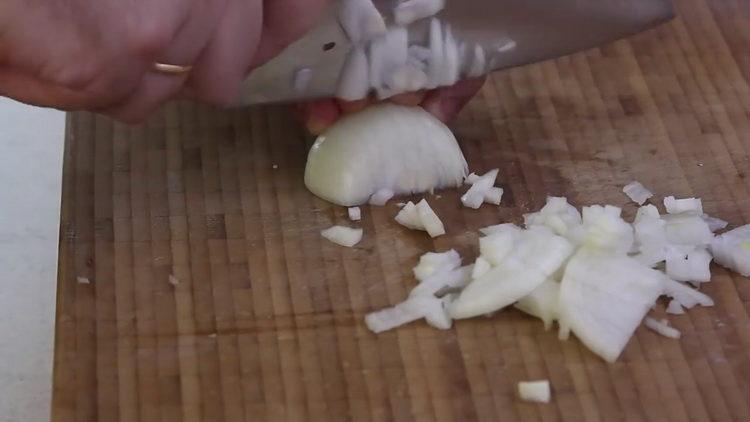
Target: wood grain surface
266 323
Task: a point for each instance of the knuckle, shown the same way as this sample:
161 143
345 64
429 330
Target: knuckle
149 39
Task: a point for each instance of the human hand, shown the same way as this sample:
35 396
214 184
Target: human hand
100 55
444 103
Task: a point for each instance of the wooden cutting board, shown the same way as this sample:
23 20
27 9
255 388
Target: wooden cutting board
266 322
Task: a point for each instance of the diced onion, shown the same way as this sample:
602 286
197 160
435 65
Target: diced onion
343 236
355 214
684 295
481 267
434 262
173 280
534 391
686 205
693 266
662 327
637 192
430 221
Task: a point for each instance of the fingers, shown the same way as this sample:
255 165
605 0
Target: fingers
21 87
319 115
224 64
285 21
184 49
446 103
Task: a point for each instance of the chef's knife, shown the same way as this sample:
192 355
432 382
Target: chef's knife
510 32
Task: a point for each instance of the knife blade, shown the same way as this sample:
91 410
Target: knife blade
509 33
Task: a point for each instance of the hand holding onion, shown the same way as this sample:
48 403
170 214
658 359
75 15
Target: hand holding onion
444 103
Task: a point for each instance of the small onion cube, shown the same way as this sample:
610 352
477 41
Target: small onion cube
355 214
534 391
494 196
409 217
475 196
679 206
637 192
343 236
662 327
430 221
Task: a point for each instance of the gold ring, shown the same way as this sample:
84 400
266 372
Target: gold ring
172 69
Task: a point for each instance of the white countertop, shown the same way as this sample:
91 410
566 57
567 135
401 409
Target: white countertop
31 152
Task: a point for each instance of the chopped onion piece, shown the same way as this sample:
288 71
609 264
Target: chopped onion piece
558 215
387 53
439 317
481 267
687 205
354 80
414 308
534 391
732 250
662 327
443 281
476 195
472 178
714 224
343 236
361 20
500 228
542 302
693 266
381 197
687 229
435 262
675 308
430 221
437 54
637 192
413 10
173 280
478 63
650 236
404 149
603 299
494 196
684 295
355 214
83 280
409 217
604 230
538 254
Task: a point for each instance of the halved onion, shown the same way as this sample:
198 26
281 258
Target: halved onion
403 149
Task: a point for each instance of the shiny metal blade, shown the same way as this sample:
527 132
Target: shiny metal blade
511 32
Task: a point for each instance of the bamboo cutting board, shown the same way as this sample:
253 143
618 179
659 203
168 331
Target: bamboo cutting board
266 322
